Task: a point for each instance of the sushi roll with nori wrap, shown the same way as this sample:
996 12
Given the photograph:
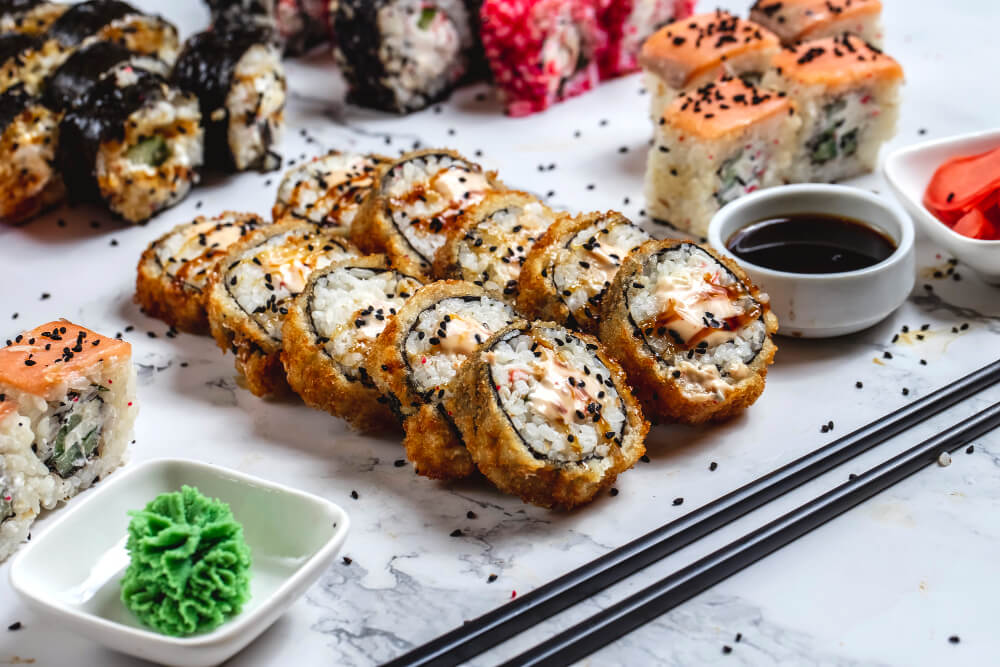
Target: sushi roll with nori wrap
547 414
691 330
239 80
416 201
402 55
329 331
133 143
493 238
21 475
28 60
31 17
327 190
415 358
174 271
252 288
568 270
628 24
116 21
29 133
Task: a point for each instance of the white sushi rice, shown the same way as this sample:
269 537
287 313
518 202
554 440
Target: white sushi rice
327 190
190 251
434 360
22 475
28 181
552 388
351 306
432 188
586 266
141 33
256 105
674 281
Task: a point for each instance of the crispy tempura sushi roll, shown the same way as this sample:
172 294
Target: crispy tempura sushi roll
492 240
329 331
415 202
415 358
22 475
76 391
629 23
29 183
174 271
252 288
115 21
31 17
547 414
568 270
692 52
28 60
133 143
237 75
725 140
803 20
87 66
691 330
327 190
848 96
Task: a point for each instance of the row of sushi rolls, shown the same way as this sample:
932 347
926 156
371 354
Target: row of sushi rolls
420 293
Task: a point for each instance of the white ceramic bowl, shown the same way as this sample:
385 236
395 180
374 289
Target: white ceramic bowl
70 571
834 304
909 170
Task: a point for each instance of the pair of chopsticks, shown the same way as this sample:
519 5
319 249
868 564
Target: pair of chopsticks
525 612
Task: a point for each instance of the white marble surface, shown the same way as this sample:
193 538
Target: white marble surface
887 583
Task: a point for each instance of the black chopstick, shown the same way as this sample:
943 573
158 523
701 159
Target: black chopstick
526 611
648 604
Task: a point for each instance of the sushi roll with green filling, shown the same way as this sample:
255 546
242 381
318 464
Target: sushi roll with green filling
116 21
402 55
29 181
547 414
237 76
22 476
417 355
329 331
31 17
133 143
28 60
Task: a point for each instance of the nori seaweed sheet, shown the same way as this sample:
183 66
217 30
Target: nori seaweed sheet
205 69
99 116
13 43
18 6
13 101
83 20
81 71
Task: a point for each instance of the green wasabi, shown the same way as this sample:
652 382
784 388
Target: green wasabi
190 567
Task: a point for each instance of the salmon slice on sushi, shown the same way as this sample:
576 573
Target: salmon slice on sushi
417 355
714 145
795 21
31 17
568 270
691 330
690 53
252 288
547 414
330 330
29 134
848 96
628 24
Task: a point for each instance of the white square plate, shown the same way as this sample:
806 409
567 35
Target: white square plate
71 571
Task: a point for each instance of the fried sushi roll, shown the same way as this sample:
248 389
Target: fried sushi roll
329 331
797 21
567 272
547 414
116 21
30 17
174 271
327 190
691 330
22 476
75 389
415 203
402 55
252 288
415 358
29 182
237 76
28 60
490 244
132 143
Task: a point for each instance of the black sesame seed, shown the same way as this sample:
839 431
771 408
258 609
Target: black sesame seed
490 579
954 639
471 515
678 501
354 495
727 649
399 463
713 466
859 384
16 625
455 533
970 449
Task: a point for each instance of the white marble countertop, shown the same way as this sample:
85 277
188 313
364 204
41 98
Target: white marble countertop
888 583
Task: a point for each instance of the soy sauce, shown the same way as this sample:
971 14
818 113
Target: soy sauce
811 243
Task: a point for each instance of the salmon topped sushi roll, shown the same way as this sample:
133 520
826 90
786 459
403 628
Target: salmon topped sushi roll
848 97
489 246
415 203
31 17
75 391
691 330
796 21
174 270
327 190
568 270
29 133
252 288
694 51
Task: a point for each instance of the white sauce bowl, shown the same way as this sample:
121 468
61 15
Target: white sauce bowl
829 304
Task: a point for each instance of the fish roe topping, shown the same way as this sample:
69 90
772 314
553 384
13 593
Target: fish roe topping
832 61
724 106
801 17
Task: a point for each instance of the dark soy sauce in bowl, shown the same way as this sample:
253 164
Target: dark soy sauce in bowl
811 243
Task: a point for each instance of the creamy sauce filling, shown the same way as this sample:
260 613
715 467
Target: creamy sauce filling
328 190
697 309
189 254
464 336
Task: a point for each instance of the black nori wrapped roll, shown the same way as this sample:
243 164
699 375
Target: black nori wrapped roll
27 59
85 68
13 43
299 24
31 17
28 182
236 73
116 21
